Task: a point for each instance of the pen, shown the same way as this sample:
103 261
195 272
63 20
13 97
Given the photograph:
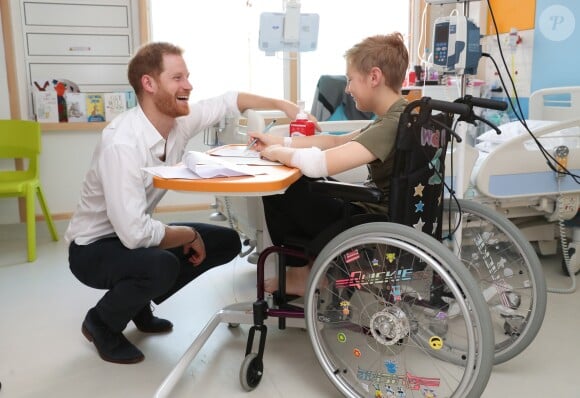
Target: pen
266 129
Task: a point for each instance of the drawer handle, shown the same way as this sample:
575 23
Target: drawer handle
86 48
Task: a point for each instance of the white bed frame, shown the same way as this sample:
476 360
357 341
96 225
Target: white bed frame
515 179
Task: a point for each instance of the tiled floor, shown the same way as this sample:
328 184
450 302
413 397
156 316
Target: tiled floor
43 353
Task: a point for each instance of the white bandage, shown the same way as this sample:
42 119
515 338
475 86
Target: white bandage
287 141
310 161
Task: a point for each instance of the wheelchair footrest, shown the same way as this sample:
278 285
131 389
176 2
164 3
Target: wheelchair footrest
283 302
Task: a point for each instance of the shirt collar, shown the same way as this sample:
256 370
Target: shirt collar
151 136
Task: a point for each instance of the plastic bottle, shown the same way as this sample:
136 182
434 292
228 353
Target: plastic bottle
301 126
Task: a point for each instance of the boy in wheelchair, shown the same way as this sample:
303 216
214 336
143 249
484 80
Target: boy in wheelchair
375 70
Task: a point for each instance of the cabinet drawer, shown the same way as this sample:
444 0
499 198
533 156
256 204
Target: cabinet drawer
102 74
78 45
71 15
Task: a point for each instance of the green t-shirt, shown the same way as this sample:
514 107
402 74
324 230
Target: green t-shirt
379 138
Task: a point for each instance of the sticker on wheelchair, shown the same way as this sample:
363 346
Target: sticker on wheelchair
351 256
436 342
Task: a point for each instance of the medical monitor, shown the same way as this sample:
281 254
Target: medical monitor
271 36
456 45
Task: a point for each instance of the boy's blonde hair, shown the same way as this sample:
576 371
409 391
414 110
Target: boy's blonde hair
386 52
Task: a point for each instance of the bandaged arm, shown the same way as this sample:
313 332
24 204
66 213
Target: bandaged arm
310 161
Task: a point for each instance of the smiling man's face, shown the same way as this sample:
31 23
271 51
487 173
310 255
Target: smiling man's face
173 87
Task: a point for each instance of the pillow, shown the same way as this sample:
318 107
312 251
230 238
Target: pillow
511 130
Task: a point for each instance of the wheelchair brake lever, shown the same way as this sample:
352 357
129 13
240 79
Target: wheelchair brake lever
482 103
490 124
453 133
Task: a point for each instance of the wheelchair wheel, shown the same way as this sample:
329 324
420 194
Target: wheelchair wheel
251 372
508 271
376 311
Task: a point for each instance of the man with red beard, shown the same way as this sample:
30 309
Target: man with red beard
114 242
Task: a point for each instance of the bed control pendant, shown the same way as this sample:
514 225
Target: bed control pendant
561 155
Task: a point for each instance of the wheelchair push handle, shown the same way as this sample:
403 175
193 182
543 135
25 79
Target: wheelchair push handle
449 107
471 101
483 103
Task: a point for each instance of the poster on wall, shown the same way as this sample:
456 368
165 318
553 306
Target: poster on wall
556 59
518 14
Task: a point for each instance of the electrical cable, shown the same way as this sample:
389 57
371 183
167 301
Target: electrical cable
422 35
565 253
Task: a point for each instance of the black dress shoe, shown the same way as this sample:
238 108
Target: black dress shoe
146 322
111 346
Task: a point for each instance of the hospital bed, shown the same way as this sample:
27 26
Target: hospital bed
508 172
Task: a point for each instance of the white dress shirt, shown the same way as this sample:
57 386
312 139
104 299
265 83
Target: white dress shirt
117 196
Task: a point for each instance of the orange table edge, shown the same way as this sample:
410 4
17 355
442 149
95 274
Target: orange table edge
276 180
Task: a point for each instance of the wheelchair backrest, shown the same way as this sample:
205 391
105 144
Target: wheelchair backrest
416 193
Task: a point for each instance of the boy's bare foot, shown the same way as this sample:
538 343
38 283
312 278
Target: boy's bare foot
296 280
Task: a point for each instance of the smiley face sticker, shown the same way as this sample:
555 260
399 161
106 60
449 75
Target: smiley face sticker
436 342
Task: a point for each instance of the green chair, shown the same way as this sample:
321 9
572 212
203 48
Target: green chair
20 139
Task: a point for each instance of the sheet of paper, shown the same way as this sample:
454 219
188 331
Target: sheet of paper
177 171
198 165
238 151
252 161
238 154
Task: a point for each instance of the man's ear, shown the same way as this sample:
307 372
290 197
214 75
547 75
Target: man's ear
149 84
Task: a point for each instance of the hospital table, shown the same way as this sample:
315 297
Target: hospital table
276 180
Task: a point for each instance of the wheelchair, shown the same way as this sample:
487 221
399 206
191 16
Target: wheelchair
390 310
377 302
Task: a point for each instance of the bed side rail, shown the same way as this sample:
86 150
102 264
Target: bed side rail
514 170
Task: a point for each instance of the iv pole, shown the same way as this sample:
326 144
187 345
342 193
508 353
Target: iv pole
461 130
462 127
291 65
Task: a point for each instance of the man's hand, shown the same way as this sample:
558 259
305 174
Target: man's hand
195 250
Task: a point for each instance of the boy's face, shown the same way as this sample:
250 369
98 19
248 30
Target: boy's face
173 87
358 86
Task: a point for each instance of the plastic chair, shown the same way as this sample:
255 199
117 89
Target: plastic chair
20 139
